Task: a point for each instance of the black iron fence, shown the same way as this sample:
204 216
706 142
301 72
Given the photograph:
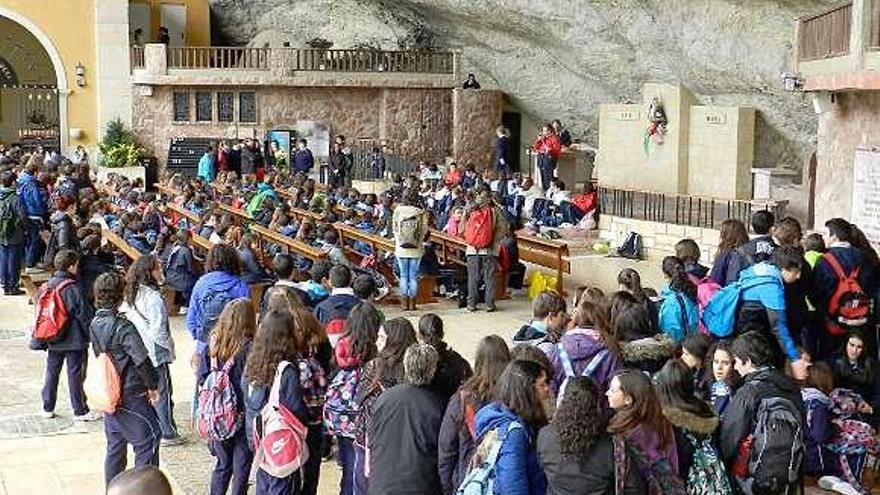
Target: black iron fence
369 165
695 211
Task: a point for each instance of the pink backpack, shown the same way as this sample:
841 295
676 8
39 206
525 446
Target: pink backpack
706 289
218 416
280 439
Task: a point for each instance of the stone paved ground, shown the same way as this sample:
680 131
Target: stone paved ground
49 457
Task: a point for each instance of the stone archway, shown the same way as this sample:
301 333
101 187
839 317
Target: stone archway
61 87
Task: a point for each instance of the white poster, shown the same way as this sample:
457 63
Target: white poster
866 193
317 135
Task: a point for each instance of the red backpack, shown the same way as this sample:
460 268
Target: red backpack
849 306
279 437
52 315
479 229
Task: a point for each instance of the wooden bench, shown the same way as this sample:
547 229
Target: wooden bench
240 217
546 253
190 215
120 244
287 244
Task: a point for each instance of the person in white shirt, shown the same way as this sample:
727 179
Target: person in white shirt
144 306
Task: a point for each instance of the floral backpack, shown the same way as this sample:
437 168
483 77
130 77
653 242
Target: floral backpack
313 383
853 436
340 406
707 475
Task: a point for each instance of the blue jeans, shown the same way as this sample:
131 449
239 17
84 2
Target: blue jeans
345 459
10 261
409 276
32 250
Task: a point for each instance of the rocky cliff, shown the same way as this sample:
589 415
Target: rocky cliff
562 58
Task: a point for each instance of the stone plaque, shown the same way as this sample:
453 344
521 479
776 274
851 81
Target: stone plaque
866 193
628 115
716 118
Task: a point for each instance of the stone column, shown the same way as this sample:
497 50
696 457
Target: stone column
113 62
475 115
859 31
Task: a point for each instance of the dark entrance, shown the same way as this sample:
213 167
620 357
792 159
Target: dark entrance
513 122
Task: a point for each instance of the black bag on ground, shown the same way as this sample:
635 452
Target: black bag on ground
632 247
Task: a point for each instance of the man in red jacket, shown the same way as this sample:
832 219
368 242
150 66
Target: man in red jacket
548 148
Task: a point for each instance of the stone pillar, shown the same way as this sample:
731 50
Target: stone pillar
475 115
113 62
859 31
155 59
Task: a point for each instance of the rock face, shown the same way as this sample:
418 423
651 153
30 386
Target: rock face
563 58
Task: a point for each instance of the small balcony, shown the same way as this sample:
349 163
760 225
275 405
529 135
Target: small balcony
157 64
839 49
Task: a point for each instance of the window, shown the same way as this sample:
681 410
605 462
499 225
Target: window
247 107
204 106
181 107
225 107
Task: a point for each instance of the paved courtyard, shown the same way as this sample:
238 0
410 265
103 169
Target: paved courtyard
58 456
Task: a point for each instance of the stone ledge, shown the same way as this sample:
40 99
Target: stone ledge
215 77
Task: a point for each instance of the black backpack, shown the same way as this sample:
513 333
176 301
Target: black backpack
9 218
777 449
632 247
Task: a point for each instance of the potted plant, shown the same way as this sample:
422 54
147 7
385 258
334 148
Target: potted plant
120 153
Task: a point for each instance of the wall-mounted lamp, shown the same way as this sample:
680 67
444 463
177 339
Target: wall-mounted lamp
792 82
80 72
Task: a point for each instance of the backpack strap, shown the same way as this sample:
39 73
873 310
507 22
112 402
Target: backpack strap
276 384
594 363
684 316
835 265
566 361
496 449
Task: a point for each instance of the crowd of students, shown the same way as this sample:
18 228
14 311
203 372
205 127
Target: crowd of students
742 378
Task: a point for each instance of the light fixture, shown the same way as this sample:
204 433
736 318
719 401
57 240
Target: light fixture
792 81
80 72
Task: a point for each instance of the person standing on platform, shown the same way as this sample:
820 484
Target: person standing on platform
303 161
548 148
206 165
562 133
502 151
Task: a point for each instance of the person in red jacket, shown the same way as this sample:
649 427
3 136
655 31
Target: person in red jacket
547 147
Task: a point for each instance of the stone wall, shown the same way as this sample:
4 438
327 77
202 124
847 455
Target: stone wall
400 115
476 114
853 121
659 238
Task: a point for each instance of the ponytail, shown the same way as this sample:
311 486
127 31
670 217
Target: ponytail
631 279
678 280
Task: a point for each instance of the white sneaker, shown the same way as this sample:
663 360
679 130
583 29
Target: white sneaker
47 414
845 488
828 482
182 310
33 270
89 416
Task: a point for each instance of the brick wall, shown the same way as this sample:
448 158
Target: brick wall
659 238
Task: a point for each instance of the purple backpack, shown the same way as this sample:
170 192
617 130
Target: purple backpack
218 416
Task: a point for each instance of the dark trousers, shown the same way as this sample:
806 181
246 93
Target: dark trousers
76 374
346 462
134 423
269 485
546 166
165 406
481 267
234 458
10 264
312 468
361 482
32 249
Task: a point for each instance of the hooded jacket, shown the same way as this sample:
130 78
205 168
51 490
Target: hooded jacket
679 314
764 305
31 197
825 281
216 281
337 306
685 423
739 420
456 445
726 268
757 250
16 237
593 473
62 236
648 354
517 471
79 315
179 272
582 345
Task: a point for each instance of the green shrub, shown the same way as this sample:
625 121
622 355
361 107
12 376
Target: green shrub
119 148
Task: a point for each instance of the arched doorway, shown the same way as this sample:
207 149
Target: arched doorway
33 87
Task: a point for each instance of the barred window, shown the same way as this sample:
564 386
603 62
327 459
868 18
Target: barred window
181 106
247 107
225 107
204 106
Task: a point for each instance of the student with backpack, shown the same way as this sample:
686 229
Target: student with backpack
341 410
688 251
549 320
404 429
410 226
276 410
333 311
842 284
131 420
62 234
452 369
484 228
144 307
679 313
638 418
507 428
728 260
458 431
13 224
578 454
62 328
180 273
694 423
222 394
761 438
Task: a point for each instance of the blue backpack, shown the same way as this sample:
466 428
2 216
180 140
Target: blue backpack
719 315
481 479
212 305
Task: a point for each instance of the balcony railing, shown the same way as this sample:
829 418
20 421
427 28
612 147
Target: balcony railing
424 62
695 211
137 57
210 57
874 26
825 35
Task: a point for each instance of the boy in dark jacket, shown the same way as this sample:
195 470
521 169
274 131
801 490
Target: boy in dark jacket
334 311
134 422
13 224
37 211
72 342
180 274
760 248
63 234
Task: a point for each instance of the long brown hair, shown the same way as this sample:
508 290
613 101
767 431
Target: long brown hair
589 314
274 343
389 362
644 409
733 235
236 325
491 359
516 391
139 273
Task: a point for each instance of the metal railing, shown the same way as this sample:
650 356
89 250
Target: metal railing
424 62
874 26
213 57
695 211
137 57
825 35
366 166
